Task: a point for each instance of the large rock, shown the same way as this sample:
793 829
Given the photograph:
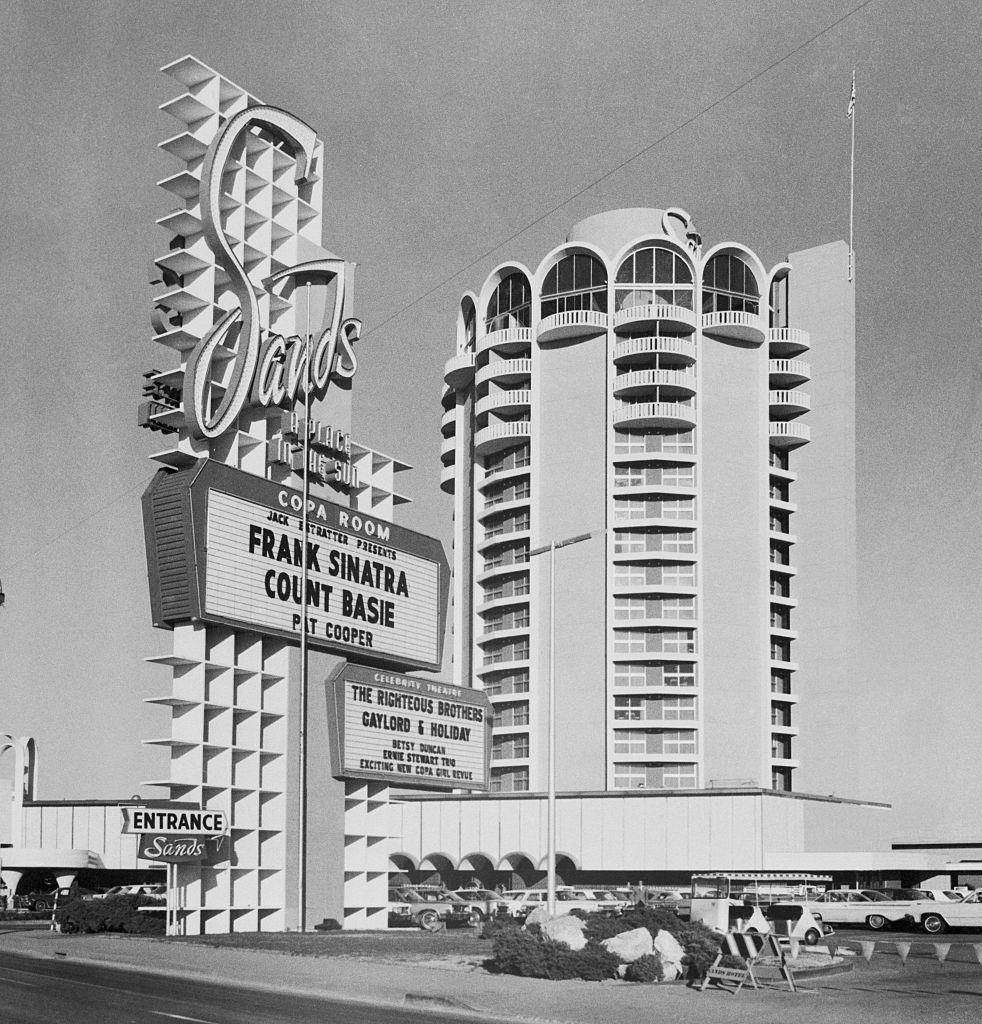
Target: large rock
629 946
671 953
538 916
566 929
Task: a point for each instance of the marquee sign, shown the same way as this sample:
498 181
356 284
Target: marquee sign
407 731
226 546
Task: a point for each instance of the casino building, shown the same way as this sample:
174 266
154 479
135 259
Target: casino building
685 415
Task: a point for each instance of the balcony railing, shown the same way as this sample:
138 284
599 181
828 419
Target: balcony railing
497 436
459 370
676 317
788 341
667 383
573 323
506 340
632 350
735 324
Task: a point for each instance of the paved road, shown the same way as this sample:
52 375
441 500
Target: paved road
53 992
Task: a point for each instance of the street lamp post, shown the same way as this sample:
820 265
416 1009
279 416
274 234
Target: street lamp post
551 771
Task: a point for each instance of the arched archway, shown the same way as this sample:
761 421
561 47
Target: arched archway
519 870
402 868
436 869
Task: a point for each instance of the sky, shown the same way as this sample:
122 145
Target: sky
456 135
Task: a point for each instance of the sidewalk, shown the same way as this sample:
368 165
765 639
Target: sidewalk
457 983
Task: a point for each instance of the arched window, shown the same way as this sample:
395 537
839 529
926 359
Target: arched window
728 283
577 281
653 275
510 305
470 326
779 303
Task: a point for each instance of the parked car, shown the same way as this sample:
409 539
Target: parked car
482 901
428 908
153 892
850 906
519 903
796 920
41 901
900 895
935 917
942 895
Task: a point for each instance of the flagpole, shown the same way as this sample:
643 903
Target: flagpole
852 172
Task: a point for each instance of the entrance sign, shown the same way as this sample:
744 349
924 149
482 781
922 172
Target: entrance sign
407 731
177 835
231 546
176 821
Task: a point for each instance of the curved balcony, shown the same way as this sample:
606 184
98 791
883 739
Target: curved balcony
674 319
788 341
574 323
788 373
667 383
494 603
502 538
448 479
448 422
448 451
499 476
641 522
660 623
502 666
789 435
485 635
505 569
654 589
654 414
498 436
514 505
786 405
642 350
504 401
735 325
458 372
505 371
508 339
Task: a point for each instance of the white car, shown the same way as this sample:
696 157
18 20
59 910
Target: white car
521 902
155 891
848 906
935 917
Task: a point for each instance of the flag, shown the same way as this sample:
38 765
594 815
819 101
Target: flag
852 98
903 951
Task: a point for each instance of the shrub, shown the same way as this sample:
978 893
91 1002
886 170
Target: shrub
495 926
532 956
645 969
701 945
114 914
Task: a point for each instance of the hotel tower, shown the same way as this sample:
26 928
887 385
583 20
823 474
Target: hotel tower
691 412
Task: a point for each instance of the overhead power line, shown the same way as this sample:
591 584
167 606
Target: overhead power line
619 167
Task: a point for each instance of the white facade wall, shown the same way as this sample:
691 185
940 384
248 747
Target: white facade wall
737 831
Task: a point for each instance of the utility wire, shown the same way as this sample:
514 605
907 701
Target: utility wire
538 220
607 174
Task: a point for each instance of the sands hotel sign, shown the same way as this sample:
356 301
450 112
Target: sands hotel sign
228 547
